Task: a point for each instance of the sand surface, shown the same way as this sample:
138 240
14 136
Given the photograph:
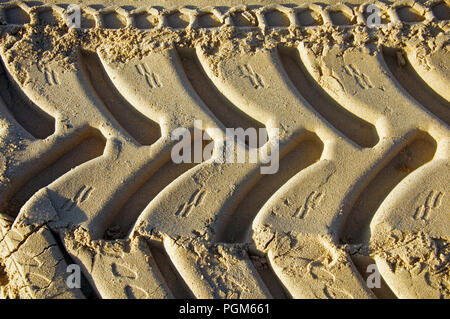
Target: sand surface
87 177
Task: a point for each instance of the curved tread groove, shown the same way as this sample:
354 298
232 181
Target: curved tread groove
356 129
141 128
405 74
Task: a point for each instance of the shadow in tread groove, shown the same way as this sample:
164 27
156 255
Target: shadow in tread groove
33 119
277 19
359 131
361 263
141 128
90 147
16 15
144 193
356 229
302 155
418 152
173 279
227 113
407 77
442 11
85 286
408 14
268 276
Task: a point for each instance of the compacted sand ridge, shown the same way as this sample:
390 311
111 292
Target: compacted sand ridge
358 116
